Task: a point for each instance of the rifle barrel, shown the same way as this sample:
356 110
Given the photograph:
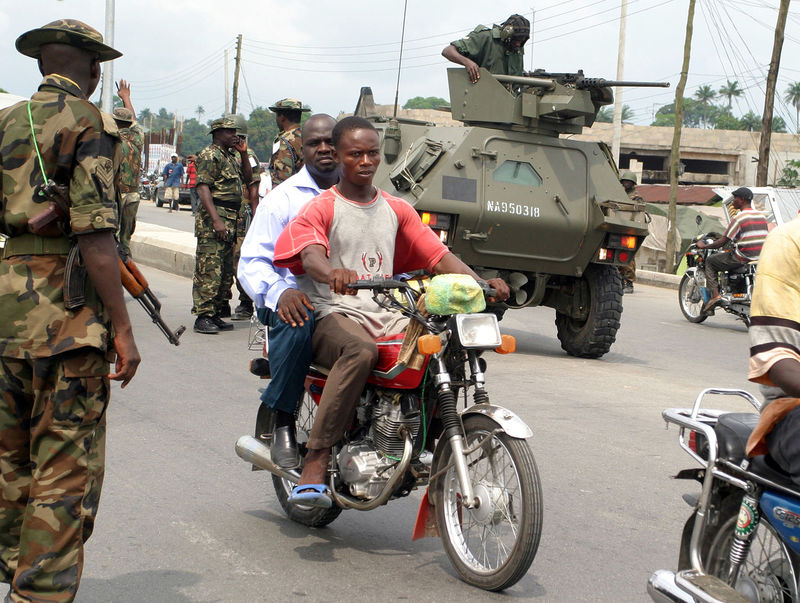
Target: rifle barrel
597 82
535 82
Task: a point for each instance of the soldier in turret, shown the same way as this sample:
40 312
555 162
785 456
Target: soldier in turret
499 49
628 271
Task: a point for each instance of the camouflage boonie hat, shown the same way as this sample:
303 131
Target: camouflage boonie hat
288 104
65 31
241 124
225 121
123 114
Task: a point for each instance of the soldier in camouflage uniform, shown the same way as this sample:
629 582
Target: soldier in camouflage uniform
132 142
287 155
54 362
249 204
220 177
628 272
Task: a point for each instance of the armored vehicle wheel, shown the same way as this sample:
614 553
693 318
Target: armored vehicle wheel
601 288
308 516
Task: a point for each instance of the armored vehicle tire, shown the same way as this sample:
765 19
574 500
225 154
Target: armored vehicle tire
592 337
308 516
690 299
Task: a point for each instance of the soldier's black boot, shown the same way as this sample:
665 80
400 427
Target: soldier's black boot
221 324
204 324
242 312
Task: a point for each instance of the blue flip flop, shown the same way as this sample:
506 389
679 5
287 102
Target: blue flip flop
311 495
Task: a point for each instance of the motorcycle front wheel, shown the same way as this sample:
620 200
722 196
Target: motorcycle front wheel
308 516
691 300
491 546
768 573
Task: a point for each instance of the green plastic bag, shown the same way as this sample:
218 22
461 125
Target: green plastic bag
454 294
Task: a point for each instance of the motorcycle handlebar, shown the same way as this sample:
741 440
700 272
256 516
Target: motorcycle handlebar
389 283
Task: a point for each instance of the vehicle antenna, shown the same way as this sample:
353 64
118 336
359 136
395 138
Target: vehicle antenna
400 61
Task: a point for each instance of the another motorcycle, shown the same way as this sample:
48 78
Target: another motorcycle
483 494
742 541
735 286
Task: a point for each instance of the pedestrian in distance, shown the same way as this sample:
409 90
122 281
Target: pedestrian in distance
173 175
58 332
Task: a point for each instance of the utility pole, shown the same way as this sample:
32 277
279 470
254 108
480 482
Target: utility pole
227 105
615 140
533 20
769 100
107 91
676 143
236 72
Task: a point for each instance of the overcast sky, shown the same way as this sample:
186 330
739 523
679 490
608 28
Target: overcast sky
323 52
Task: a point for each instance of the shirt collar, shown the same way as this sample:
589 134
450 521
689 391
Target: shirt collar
62 82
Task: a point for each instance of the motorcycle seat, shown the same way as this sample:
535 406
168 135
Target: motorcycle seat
733 429
765 466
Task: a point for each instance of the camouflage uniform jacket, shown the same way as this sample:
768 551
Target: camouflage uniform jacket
484 46
132 139
221 170
287 155
77 151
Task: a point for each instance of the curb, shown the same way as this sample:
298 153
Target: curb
173 251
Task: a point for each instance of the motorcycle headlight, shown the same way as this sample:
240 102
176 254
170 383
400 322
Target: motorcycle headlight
478 330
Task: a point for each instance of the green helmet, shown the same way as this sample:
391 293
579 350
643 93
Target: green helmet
628 175
241 124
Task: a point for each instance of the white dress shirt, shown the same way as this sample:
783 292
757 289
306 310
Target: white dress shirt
263 281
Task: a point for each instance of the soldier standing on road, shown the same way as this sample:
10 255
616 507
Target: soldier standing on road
287 157
499 50
54 362
220 177
249 204
132 141
628 271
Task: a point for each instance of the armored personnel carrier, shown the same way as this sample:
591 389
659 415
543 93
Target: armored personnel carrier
513 198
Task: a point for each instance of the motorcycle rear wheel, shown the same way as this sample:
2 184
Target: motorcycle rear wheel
491 547
308 516
769 572
691 300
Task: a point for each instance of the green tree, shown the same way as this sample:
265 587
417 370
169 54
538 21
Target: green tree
692 114
730 91
705 94
200 111
195 137
3 90
793 97
751 121
606 115
726 121
428 102
261 131
790 175
778 124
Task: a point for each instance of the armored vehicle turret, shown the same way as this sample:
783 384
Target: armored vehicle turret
512 198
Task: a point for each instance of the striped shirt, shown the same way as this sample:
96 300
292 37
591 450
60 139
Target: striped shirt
747 230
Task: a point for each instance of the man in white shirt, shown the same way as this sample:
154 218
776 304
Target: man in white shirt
280 305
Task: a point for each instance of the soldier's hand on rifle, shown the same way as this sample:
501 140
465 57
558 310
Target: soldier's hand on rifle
292 307
128 358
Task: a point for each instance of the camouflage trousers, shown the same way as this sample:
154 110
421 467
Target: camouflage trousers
213 262
52 457
245 217
127 223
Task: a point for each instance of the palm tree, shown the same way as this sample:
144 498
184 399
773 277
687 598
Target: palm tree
705 94
793 97
731 90
606 114
751 121
200 112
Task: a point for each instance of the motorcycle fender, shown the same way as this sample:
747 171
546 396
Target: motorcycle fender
691 271
426 525
695 474
505 419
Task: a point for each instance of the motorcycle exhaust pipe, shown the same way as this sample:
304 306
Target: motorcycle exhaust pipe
662 588
250 450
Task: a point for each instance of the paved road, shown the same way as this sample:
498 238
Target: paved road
183 519
182 220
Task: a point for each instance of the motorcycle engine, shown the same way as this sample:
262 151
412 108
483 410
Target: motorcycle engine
364 464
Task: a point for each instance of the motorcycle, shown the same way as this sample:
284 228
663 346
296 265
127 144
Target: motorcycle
483 495
742 541
735 286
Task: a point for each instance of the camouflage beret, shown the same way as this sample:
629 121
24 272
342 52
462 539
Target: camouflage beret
226 121
65 31
123 114
288 104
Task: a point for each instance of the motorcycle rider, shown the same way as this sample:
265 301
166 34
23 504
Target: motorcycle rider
747 230
286 311
351 231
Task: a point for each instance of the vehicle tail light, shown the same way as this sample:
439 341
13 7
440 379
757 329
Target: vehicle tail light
693 441
623 256
439 223
605 255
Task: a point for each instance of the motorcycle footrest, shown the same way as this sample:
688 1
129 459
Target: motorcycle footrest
708 589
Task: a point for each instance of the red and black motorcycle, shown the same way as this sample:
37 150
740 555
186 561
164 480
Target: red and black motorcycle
417 425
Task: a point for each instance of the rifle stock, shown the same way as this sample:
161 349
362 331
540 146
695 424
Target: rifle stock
136 284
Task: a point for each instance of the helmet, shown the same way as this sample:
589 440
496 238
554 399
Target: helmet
241 124
628 175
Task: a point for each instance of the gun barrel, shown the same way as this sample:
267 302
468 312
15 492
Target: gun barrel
535 82
598 82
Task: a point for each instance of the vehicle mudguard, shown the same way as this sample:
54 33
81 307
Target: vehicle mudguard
507 420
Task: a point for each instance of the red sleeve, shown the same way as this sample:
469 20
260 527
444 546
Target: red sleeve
309 227
416 245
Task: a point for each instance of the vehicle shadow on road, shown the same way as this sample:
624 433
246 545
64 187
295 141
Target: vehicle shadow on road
153 585
531 344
